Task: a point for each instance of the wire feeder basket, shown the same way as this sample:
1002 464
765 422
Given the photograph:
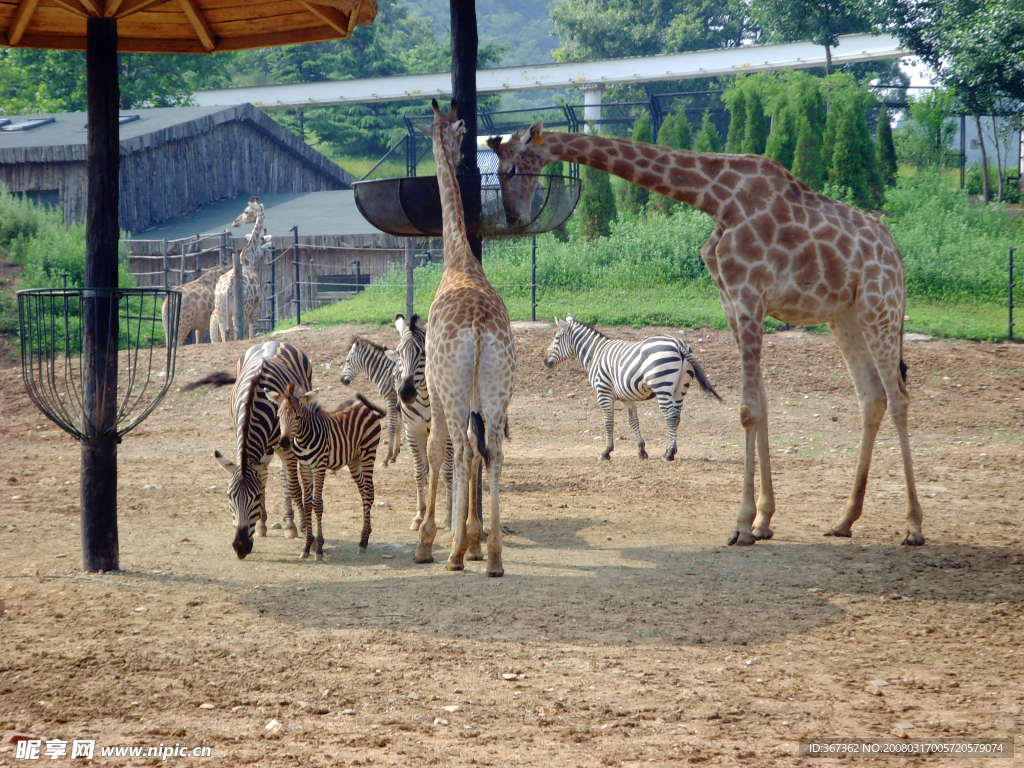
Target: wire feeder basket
51 353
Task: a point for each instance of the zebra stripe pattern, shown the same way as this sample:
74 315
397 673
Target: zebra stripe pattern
409 359
661 367
273 366
372 359
321 440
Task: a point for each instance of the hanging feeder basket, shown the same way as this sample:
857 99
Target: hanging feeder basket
410 206
51 353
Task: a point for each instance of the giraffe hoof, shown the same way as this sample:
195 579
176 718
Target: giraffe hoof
454 565
421 558
743 538
415 525
475 556
763 534
496 573
913 540
840 534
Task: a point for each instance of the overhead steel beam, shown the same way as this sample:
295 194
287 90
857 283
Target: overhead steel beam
675 66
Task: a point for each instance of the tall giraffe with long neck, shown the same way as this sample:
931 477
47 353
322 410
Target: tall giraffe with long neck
470 369
779 249
222 326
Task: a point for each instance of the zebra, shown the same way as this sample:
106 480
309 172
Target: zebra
409 360
272 365
323 440
366 357
661 366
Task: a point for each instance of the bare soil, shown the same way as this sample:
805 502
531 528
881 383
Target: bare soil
624 632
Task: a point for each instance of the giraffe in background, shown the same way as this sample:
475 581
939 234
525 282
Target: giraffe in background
224 327
196 305
779 249
470 369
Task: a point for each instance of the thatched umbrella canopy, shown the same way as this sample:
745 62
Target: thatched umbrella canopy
101 28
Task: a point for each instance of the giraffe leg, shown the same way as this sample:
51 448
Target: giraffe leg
474 525
604 400
435 457
318 509
634 422
766 498
494 446
749 332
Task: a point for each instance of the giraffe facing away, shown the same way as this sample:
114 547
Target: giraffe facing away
224 327
778 248
196 304
470 369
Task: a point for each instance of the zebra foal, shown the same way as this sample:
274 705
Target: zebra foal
631 371
372 359
321 440
409 359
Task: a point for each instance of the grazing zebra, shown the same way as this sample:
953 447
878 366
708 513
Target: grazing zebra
372 359
630 371
273 365
409 360
320 439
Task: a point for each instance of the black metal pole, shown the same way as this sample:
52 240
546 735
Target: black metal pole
464 63
273 289
1011 294
99 320
410 285
533 279
297 292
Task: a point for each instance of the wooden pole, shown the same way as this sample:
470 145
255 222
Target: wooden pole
100 312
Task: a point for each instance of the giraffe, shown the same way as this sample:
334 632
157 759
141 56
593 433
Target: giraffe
778 248
196 304
470 369
224 327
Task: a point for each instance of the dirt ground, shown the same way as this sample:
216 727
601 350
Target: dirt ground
624 632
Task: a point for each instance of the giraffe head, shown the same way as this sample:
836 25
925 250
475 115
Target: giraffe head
245 493
562 346
253 210
520 160
290 407
449 129
408 356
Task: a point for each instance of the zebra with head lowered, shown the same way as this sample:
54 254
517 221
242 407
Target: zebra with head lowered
372 359
631 371
272 366
409 360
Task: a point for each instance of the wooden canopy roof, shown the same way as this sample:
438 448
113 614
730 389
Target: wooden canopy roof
182 26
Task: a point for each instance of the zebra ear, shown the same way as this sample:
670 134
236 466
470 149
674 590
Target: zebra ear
568 319
309 397
391 355
561 323
228 465
275 397
400 323
416 322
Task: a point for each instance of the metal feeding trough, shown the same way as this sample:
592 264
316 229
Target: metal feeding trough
411 206
52 362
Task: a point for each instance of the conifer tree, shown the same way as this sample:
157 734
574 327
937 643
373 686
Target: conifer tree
781 144
632 198
887 166
854 163
708 139
557 168
597 205
755 134
675 133
736 102
809 163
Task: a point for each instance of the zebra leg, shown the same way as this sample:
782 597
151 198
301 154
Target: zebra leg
306 523
634 422
608 408
362 474
261 524
292 491
417 437
448 472
671 410
318 508
394 439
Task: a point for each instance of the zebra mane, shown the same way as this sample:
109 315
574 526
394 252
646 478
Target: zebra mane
590 328
360 339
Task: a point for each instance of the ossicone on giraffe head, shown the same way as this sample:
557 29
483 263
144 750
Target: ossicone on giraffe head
520 160
450 130
253 210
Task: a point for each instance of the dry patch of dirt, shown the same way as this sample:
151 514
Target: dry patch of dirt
624 631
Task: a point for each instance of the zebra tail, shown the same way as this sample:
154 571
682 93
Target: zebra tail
380 412
702 378
477 423
219 379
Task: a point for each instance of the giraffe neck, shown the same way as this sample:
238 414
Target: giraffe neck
677 173
457 252
248 255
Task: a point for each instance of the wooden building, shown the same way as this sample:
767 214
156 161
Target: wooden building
173 161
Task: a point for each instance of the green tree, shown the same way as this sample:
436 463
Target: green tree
820 21
755 137
925 140
886 150
675 133
854 163
808 99
781 144
632 198
708 139
736 102
596 210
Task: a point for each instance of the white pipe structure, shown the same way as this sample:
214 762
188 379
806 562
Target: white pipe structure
643 69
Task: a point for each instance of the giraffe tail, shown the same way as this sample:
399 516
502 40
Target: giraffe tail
476 422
